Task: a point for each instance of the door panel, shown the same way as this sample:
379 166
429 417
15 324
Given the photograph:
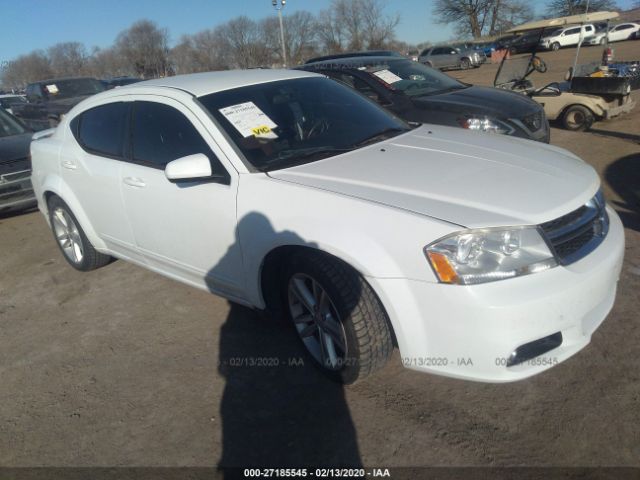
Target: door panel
95 180
186 230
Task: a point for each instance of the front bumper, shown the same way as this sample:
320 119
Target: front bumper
469 332
16 191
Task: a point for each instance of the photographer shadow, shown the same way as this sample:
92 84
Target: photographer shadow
623 176
277 409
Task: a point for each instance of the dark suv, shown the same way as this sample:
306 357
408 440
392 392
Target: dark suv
418 93
49 99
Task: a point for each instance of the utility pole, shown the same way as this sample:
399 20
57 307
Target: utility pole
279 5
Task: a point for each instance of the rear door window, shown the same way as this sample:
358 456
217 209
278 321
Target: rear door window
101 130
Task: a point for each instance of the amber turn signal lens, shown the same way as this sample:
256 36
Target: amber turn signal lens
443 268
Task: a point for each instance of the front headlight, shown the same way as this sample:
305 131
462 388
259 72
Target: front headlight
485 124
486 255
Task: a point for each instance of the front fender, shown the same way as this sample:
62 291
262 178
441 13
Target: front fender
377 240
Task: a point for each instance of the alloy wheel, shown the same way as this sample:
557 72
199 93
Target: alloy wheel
317 321
67 235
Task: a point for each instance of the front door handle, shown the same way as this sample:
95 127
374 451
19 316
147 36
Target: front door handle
69 164
134 182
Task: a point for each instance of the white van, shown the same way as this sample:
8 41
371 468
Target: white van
566 36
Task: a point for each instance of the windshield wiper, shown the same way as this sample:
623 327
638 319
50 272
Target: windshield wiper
379 136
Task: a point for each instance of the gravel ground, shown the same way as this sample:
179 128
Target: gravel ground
122 367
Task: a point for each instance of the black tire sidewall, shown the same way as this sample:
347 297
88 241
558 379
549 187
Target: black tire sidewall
312 267
588 115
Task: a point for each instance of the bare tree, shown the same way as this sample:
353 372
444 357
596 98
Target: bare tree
144 48
299 37
482 17
27 68
107 62
201 52
356 25
67 59
563 8
379 28
243 42
330 32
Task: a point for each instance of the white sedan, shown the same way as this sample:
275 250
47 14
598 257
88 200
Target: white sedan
618 33
480 256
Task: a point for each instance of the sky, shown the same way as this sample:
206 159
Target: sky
38 24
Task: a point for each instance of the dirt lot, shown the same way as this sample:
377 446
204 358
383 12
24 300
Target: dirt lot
123 367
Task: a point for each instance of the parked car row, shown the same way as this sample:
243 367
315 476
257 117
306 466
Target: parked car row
447 57
418 93
309 201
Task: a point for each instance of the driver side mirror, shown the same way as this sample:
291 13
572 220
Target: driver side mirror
189 168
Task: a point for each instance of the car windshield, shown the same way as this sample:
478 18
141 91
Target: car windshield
77 87
412 78
8 102
290 122
9 126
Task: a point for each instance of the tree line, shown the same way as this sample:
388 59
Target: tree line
143 50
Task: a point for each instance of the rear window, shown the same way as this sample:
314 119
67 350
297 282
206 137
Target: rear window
101 130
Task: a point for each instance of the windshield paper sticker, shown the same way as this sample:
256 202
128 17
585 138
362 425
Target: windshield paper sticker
249 120
387 77
53 88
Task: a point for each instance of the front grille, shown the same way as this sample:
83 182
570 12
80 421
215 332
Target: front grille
16 165
534 121
576 234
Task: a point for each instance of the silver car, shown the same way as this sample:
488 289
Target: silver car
446 56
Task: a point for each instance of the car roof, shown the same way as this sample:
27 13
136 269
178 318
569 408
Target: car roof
49 80
199 84
364 53
355 62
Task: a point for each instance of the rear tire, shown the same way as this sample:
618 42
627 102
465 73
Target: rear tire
577 118
71 239
555 46
327 298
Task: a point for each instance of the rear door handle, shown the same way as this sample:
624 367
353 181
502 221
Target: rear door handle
134 182
69 164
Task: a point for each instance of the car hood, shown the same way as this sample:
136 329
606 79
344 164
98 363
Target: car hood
14 147
466 178
482 100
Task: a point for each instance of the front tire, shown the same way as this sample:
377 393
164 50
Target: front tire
577 118
555 46
71 239
338 317
465 64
